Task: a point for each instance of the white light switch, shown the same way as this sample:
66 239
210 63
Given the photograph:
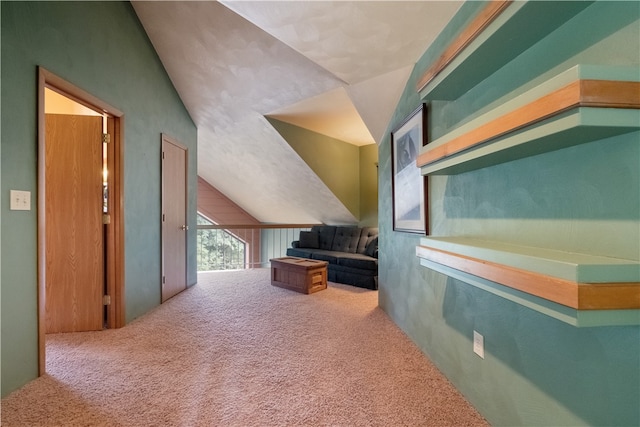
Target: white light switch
20 200
478 344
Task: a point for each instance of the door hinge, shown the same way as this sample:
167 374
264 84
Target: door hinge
164 280
106 219
106 300
106 138
162 217
163 155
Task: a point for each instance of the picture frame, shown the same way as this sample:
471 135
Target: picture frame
409 186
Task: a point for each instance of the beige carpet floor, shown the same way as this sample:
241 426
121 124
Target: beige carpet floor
236 351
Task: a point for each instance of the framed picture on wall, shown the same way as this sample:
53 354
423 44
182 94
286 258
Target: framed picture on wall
409 187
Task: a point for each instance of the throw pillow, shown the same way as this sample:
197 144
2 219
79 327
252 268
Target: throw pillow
372 248
309 239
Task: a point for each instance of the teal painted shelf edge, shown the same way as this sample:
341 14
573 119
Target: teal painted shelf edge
578 126
576 267
522 97
565 129
578 318
495 46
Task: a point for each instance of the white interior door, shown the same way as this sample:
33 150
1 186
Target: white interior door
174 218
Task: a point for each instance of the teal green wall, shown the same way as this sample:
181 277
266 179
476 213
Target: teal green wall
345 168
537 370
102 48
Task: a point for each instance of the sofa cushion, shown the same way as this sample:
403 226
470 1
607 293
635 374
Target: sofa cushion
355 279
372 248
309 239
325 235
366 235
300 252
358 261
322 255
346 239
342 268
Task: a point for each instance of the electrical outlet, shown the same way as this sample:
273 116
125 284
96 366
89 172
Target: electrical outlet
478 344
20 200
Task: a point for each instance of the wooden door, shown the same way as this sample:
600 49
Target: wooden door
174 218
74 281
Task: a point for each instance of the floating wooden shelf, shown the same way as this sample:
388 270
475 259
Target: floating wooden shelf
576 281
574 317
487 44
583 104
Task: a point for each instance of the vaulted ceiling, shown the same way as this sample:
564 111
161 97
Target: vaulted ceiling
337 68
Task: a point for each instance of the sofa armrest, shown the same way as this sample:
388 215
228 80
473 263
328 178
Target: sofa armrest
295 243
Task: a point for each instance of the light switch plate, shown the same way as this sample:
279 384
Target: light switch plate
20 200
478 344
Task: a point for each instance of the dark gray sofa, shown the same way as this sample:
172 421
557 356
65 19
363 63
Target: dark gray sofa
352 253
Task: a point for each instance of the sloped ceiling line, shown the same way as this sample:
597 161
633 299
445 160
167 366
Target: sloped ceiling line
234 62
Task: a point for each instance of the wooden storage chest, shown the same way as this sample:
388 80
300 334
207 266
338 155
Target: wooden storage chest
299 274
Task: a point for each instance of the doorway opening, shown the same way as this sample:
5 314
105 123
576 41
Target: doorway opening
80 211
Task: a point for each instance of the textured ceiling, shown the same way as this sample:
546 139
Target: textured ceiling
337 68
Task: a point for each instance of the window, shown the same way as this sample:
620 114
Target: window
219 249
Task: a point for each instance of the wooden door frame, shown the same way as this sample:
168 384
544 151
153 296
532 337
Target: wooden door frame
114 267
166 138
